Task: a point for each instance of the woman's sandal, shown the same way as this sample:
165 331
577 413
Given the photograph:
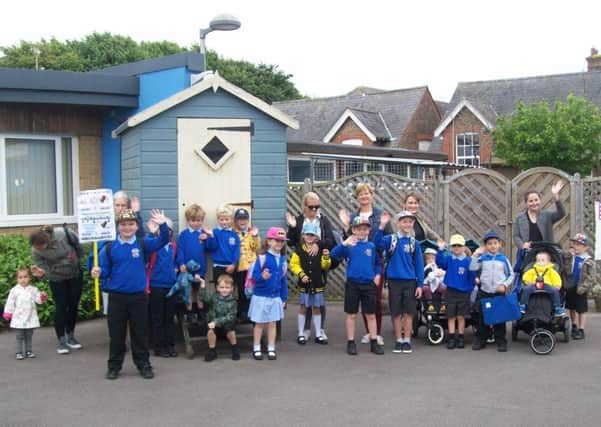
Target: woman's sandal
257 355
271 355
301 340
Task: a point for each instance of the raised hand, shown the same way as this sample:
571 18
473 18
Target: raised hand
134 204
254 231
158 216
351 241
556 188
153 227
480 250
441 244
384 219
290 220
344 217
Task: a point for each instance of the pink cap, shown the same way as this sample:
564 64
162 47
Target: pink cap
277 233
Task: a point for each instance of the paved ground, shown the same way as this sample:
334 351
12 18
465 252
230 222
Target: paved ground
311 385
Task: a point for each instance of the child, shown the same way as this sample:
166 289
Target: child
249 243
496 278
161 275
542 270
222 315
224 244
309 269
192 244
404 274
459 282
433 281
20 310
123 261
270 291
362 277
581 270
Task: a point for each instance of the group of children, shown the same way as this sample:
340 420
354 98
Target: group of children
139 273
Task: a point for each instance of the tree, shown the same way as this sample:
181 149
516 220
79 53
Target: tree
101 50
567 137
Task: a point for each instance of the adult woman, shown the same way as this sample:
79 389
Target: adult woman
56 255
311 215
534 224
364 194
421 230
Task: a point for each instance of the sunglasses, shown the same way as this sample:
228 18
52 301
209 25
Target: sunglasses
314 207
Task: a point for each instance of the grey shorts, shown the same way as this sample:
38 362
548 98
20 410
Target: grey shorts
401 297
458 303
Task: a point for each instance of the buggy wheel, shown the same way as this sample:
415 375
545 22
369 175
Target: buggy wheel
542 342
514 330
435 334
567 329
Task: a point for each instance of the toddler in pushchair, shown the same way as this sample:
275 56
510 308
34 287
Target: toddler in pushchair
539 283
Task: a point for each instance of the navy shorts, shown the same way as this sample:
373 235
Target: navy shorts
355 293
401 297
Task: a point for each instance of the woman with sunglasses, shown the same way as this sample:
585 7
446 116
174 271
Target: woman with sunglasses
311 215
364 194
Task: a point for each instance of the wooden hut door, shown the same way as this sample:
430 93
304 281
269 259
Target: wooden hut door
213 164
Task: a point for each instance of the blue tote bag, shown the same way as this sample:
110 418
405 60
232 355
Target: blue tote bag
500 309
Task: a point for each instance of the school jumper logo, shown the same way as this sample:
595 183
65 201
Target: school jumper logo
461 271
232 241
368 252
135 253
407 248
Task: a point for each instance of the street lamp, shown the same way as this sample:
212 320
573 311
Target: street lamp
222 22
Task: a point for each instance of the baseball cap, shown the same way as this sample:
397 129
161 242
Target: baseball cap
359 220
430 251
277 233
457 239
404 214
580 238
310 229
491 235
241 213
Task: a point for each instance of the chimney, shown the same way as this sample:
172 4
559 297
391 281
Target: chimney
594 61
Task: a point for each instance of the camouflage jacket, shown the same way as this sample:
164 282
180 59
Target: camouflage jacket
221 310
587 272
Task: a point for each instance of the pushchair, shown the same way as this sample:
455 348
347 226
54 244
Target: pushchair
539 321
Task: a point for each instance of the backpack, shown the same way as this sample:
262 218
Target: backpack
109 245
153 261
394 241
72 241
249 282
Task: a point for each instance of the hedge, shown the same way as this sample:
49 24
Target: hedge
16 252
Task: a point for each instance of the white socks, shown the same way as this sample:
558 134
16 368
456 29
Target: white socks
317 324
301 324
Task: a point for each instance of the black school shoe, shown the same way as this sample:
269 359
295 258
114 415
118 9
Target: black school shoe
351 348
502 347
112 374
211 355
235 352
451 343
161 352
376 348
172 352
146 372
460 341
478 345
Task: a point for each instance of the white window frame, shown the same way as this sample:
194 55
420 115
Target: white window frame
353 141
461 159
41 219
305 159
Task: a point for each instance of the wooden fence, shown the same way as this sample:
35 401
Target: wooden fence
470 203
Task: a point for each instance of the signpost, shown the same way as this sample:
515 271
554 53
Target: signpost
96 221
597 231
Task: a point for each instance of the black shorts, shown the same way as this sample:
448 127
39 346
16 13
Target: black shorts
578 303
401 297
458 303
359 292
221 331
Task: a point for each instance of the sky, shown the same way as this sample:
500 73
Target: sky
331 47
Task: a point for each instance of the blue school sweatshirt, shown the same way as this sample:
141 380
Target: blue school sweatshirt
458 275
163 272
405 263
225 246
363 262
277 284
190 247
126 272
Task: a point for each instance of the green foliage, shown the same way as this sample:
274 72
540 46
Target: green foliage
14 253
567 137
101 50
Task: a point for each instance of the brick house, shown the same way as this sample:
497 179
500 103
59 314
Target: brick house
464 133
365 122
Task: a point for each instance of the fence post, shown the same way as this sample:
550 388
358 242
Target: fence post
438 208
576 210
445 209
307 186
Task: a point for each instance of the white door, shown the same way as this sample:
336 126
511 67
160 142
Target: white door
214 164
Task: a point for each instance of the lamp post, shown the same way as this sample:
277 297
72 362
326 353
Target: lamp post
222 22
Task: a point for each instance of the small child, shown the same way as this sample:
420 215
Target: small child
192 245
404 274
223 310
21 311
270 291
122 261
362 278
581 269
309 269
459 282
161 275
224 244
250 241
543 270
433 281
495 280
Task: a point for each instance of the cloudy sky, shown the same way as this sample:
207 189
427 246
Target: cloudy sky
333 46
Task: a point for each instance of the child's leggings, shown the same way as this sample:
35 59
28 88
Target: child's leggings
23 340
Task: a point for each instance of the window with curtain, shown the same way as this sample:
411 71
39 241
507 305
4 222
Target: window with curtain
467 149
38 176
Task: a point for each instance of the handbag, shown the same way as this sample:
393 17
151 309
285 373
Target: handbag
500 309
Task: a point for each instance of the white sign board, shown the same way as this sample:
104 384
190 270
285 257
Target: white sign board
597 230
96 215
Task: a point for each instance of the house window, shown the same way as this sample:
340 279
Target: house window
467 149
352 167
397 169
352 142
300 169
374 167
37 177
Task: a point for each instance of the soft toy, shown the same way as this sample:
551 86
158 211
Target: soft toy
184 280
